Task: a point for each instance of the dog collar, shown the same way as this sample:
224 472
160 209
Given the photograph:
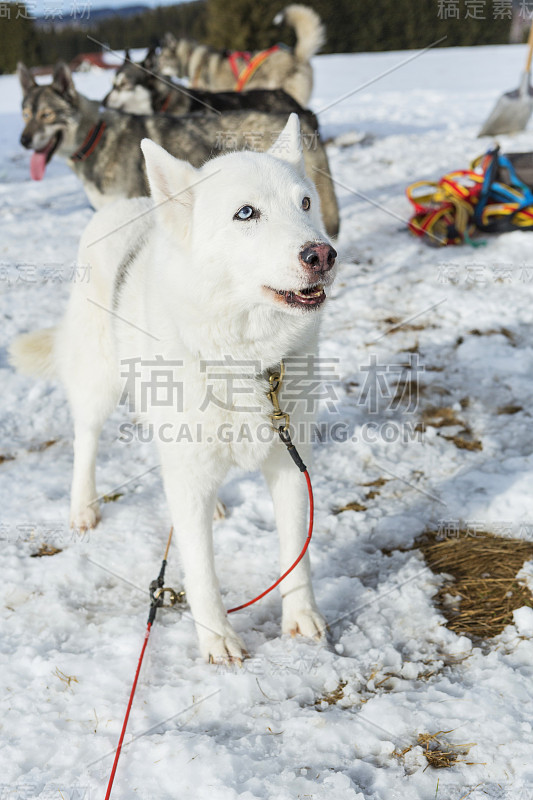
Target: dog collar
165 103
90 142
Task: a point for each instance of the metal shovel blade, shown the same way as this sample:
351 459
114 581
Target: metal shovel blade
512 111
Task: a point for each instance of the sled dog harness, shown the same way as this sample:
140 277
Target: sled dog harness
464 201
252 64
280 424
166 103
90 142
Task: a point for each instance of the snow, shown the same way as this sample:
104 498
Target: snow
267 730
523 620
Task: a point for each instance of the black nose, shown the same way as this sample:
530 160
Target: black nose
25 139
318 257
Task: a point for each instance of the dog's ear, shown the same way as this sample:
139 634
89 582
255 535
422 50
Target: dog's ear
150 60
288 145
169 40
25 77
127 56
171 182
62 82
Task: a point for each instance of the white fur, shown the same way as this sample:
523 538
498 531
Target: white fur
32 353
197 291
310 33
130 99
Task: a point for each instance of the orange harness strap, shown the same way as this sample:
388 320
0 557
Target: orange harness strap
252 66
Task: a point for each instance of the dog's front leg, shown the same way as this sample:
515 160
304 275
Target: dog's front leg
192 505
289 492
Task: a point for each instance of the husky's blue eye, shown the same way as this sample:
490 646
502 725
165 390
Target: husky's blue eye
246 212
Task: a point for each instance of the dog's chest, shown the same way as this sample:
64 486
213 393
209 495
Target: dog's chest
208 409
232 409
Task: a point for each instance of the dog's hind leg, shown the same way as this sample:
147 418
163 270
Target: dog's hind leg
89 411
289 493
84 507
88 369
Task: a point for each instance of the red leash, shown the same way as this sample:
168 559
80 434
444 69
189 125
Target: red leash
157 594
156 600
126 718
302 554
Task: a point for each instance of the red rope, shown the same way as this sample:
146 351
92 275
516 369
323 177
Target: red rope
230 611
126 718
302 554
236 56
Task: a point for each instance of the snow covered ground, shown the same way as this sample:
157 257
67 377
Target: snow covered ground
299 720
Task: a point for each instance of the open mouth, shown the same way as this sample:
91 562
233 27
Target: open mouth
310 297
40 158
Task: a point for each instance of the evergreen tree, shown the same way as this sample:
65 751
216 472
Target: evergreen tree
18 37
242 24
351 26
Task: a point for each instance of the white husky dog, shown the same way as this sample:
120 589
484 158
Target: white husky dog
223 268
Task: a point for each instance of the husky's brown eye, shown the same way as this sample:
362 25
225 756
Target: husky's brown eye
306 203
245 213
47 116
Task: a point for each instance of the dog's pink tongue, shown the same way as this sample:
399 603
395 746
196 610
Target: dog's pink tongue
39 159
38 165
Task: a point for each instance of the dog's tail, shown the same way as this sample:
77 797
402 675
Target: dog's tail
33 353
310 33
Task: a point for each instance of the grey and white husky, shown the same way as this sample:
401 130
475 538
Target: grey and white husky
138 89
227 265
282 69
103 148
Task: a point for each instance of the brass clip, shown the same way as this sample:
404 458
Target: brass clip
275 380
174 597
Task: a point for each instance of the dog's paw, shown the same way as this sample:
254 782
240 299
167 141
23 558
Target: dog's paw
220 510
86 517
222 648
306 621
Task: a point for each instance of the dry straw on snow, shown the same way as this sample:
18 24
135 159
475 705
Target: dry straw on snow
482 592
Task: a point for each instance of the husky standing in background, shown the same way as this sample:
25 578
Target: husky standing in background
138 89
231 263
103 148
281 69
